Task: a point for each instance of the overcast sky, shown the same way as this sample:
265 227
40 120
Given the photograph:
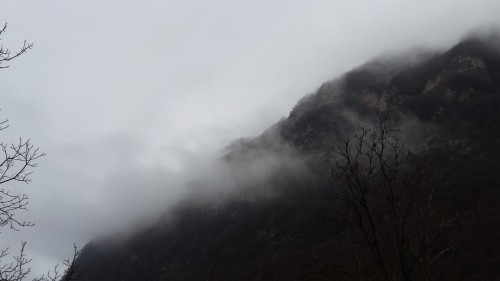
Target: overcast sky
124 95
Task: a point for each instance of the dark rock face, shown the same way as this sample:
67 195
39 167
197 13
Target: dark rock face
448 109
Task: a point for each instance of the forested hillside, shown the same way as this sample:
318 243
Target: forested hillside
310 203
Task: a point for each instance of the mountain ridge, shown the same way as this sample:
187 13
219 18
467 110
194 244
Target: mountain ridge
447 105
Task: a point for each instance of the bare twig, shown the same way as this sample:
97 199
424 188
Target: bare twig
6 55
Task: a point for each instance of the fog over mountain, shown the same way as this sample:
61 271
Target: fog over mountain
136 104
268 209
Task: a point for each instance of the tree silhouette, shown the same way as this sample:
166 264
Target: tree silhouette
396 227
16 165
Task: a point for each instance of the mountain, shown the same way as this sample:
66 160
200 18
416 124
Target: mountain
273 221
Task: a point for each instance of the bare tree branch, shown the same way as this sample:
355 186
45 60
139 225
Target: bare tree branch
5 53
17 161
72 272
15 270
395 220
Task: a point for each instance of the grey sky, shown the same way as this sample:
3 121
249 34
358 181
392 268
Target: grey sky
124 95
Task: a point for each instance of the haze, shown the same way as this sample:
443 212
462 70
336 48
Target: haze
127 97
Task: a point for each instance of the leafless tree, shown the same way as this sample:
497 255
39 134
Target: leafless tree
16 164
73 270
395 226
18 268
17 161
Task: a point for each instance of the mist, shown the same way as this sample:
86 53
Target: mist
135 103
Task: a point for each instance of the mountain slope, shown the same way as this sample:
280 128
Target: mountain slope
272 228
